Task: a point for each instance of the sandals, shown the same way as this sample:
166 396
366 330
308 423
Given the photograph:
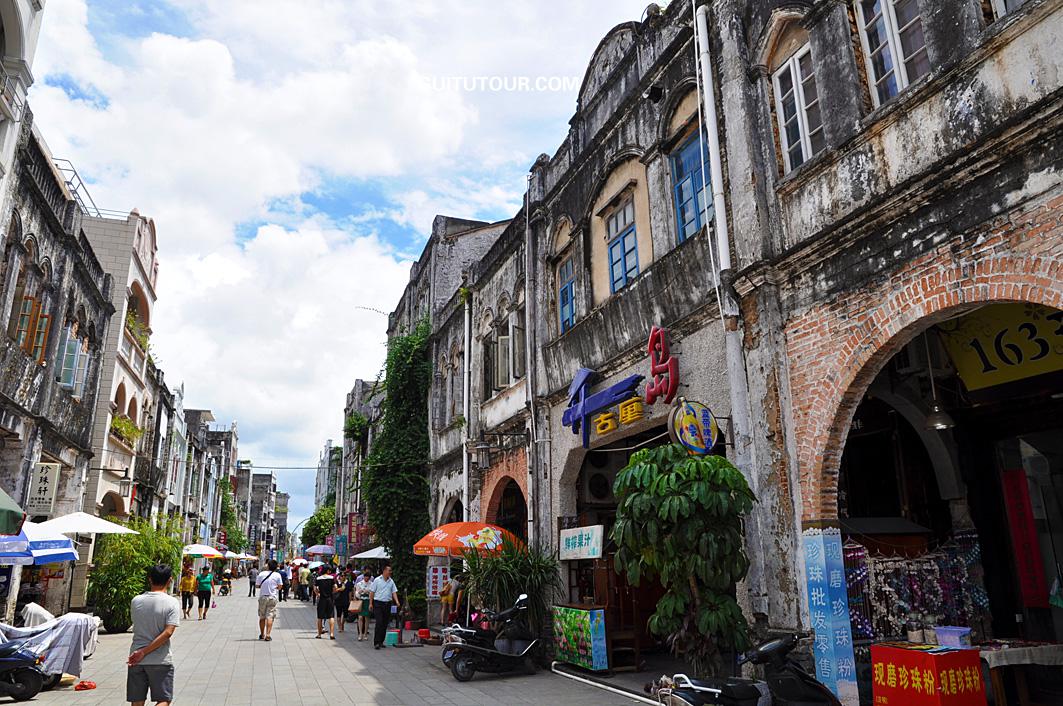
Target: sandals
261 636
268 638
317 637
332 637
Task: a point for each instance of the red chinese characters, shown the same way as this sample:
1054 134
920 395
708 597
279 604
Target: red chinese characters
664 369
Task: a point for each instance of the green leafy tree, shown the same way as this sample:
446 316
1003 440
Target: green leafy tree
120 568
235 538
395 479
679 518
319 525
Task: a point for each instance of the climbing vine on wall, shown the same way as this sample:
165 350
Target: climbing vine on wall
395 477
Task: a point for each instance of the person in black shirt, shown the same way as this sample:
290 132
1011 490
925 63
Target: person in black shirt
344 587
324 587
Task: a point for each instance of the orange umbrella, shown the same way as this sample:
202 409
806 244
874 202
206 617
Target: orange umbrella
456 538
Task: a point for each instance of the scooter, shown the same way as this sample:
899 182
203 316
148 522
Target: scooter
226 587
786 683
20 677
458 634
507 650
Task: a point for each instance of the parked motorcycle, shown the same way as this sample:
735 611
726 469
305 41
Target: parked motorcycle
63 643
470 650
20 677
786 682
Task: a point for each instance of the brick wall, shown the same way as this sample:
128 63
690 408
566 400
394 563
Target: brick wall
836 347
511 464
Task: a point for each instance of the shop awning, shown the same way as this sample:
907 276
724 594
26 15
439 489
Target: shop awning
374 553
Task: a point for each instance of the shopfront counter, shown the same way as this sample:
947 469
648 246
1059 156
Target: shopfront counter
579 634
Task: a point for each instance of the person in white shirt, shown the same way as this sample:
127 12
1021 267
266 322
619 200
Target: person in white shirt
268 583
382 594
363 589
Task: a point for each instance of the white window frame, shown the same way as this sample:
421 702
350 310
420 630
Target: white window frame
1000 7
893 43
793 65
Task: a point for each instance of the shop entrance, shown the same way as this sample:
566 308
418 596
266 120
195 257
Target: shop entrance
512 511
950 487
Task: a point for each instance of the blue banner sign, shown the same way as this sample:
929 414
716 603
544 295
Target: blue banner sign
828 610
581 406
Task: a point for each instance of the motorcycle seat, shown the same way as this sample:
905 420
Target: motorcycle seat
732 688
9 648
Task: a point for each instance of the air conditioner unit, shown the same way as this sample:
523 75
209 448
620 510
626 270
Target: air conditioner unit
599 474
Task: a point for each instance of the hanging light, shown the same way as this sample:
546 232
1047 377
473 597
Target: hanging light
938 418
125 484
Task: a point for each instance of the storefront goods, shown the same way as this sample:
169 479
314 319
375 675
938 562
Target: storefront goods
579 636
906 675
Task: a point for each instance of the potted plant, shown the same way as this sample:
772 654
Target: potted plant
416 608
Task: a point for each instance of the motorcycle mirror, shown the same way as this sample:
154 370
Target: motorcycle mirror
522 597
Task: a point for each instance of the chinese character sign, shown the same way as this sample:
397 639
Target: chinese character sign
436 579
923 675
581 542
43 485
330 540
828 610
664 369
341 546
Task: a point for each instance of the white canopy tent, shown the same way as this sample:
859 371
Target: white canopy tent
374 553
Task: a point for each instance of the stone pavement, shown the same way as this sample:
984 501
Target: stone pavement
221 662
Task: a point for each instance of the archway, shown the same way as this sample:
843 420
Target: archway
511 511
453 511
112 505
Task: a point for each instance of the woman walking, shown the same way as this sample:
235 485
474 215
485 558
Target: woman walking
324 587
204 590
343 596
188 591
363 588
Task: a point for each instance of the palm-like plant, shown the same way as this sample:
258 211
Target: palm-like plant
497 579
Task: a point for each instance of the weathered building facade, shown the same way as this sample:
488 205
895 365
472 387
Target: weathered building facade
56 308
360 414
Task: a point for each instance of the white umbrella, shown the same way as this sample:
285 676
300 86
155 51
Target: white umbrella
314 564
298 562
84 523
374 553
201 550
232 555
321 549
44 547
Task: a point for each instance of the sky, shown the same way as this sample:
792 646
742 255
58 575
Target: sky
293 156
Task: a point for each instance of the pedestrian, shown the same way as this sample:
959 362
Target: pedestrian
188 591
286 575
270 582
324 588
204 590
304 582
383 594
251 574
447 597
363 591
156 615
345 585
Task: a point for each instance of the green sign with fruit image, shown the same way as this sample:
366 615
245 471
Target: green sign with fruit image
580 637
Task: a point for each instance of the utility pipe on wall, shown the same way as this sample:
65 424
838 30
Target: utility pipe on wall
466 406
529 364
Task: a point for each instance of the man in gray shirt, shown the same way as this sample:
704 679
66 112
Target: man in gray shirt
156 615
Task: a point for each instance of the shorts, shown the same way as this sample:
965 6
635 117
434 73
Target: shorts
325 608
267 607
447 599
204 598
186 600
159 677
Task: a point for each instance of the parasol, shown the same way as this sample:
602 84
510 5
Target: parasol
84 523
374 553
321 549
42 547
201 551
456 538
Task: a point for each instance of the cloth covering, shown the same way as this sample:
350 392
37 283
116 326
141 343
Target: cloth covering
34 615
1051 655
66 641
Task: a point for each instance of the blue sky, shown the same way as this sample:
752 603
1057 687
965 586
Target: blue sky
293 156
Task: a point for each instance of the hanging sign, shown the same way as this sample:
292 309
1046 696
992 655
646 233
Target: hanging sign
693 426
341 546
581 543
828 608
43 485
1033 586
1003 343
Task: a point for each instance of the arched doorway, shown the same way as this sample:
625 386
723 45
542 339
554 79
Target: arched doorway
947 482
453 512
112 506
512 512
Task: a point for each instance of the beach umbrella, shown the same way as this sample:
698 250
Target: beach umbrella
84 523
201 551
321 549
314 564
42 547
456 538
374 553
232 555
11 515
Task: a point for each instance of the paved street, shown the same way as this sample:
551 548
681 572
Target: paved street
220 661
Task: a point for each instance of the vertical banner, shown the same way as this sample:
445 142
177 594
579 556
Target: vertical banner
1027 551
436 579
828 609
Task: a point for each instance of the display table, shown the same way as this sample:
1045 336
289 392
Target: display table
579 633
1001 654
907 674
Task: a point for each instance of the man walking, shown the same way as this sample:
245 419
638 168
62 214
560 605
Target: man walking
252 572
304 583
156 615
270 582
383 594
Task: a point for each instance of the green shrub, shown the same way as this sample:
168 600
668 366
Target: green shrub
120 568
496 580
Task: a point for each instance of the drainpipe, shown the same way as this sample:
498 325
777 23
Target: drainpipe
723 240
529 365
466 404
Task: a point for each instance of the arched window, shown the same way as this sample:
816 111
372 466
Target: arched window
75 355
690 172
132 411
119 399
796 97
29 325
620 241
